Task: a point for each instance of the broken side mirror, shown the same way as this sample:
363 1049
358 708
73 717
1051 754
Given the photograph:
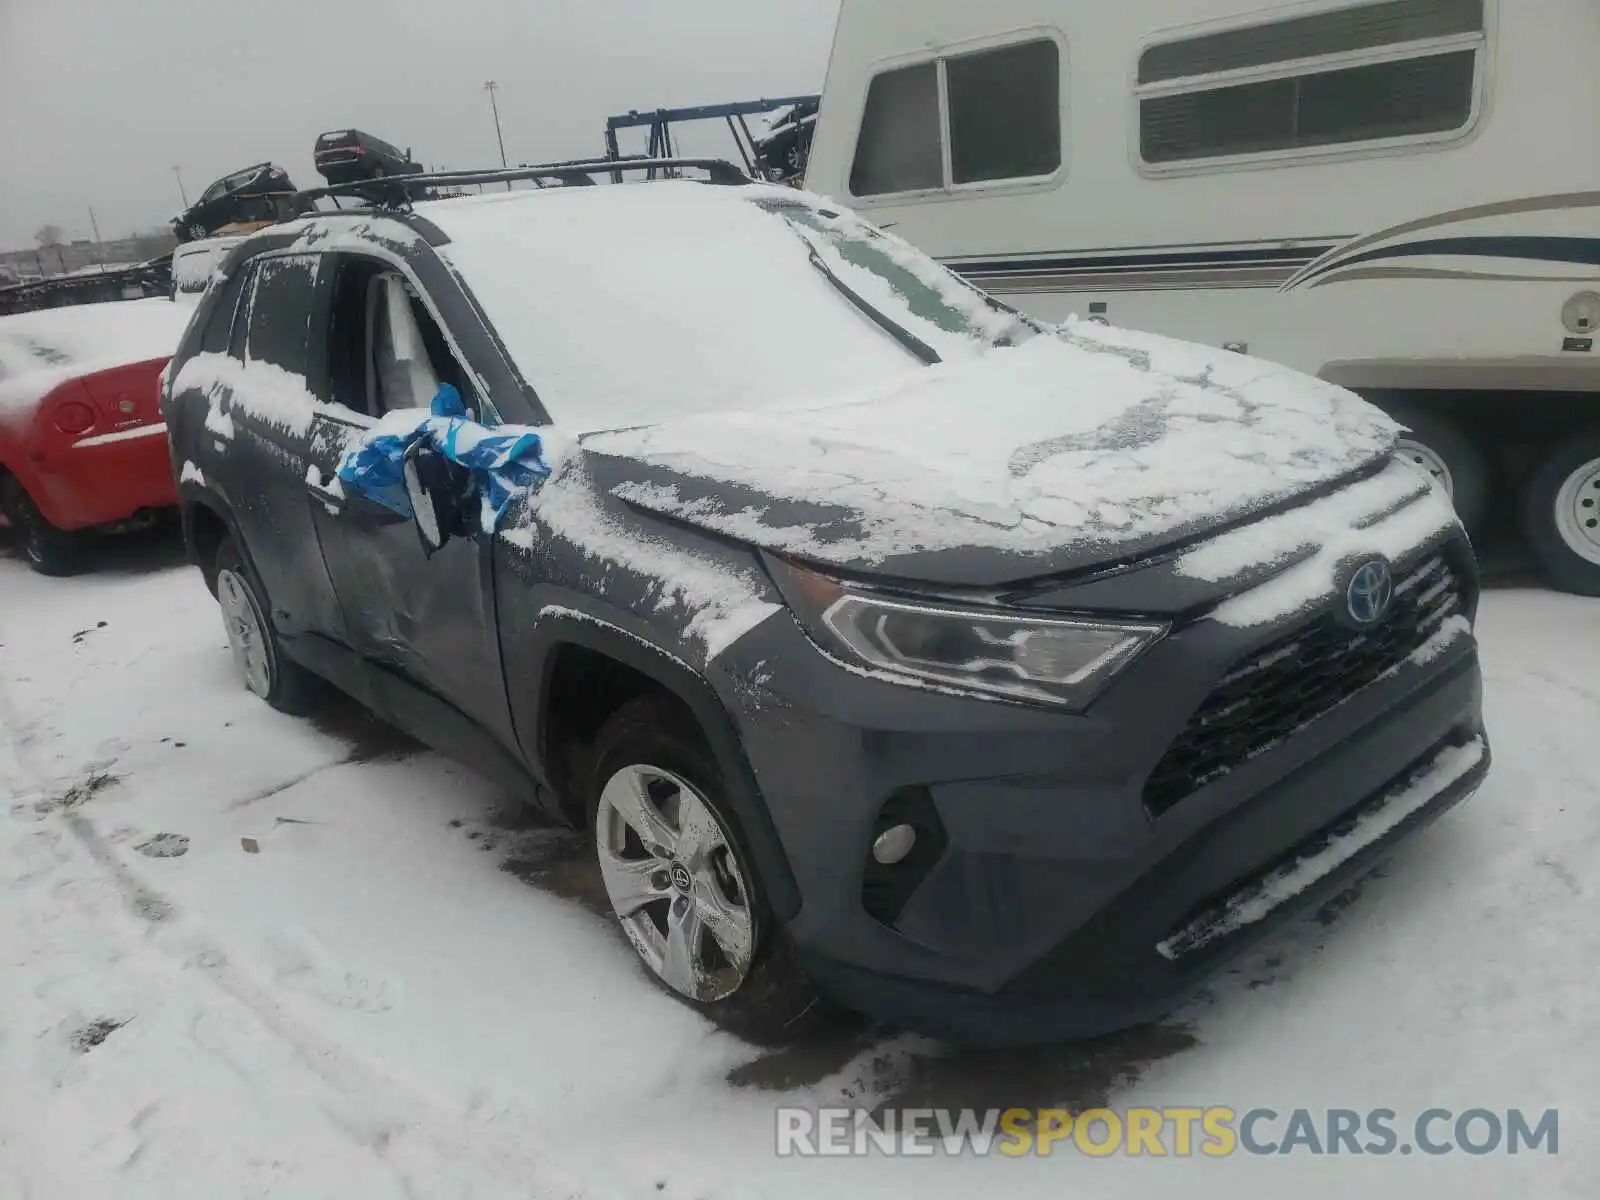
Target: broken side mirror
439 492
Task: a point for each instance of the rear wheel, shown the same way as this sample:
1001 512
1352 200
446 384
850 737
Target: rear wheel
1440 447
1561 513
257 652
48 549
680 879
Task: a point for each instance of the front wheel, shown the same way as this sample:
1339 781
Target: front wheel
48 549
679 878
1561 513
257 652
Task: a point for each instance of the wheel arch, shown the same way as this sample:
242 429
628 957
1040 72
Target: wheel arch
573 643
208 521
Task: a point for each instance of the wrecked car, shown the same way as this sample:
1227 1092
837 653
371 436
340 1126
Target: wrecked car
1000 680
83 447
254 195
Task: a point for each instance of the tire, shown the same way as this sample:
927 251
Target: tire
1561 513
47 549
198 233
257 652
653 740
1441 447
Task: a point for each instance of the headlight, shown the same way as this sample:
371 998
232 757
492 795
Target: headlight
1038 660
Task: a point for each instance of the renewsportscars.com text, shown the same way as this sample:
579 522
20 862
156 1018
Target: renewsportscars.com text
1215 1132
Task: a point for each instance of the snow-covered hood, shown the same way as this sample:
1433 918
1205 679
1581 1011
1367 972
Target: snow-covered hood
1077 447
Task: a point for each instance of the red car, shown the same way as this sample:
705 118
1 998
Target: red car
82 442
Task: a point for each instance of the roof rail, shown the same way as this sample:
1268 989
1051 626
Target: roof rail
400 190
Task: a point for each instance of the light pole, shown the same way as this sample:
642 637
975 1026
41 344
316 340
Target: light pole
178 173
492 87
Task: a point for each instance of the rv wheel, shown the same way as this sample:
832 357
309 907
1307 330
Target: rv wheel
1561 513
1442 448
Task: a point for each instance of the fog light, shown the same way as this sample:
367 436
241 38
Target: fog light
894 844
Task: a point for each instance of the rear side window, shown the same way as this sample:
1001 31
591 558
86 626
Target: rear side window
1421 80
998 110
280 311
219 323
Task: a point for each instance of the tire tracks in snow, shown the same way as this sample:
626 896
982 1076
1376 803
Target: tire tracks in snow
379 1113
431 1150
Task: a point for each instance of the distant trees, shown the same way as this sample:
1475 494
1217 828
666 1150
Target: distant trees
49 235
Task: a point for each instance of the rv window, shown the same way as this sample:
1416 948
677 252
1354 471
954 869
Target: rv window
900 148
1359 104
1342 31
1005 112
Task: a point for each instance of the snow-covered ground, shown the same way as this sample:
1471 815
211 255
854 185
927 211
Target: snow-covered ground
352 971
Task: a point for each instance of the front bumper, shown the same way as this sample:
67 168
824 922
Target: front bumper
1154 945
1062 904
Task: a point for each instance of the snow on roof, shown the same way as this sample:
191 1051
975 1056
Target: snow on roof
626 304
43 349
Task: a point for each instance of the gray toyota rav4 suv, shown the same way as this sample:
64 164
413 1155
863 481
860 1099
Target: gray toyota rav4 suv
997 679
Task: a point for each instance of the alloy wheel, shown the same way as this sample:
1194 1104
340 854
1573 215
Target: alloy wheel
246 638
674 882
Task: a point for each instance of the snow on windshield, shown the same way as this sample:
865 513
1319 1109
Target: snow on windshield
40 350
632 304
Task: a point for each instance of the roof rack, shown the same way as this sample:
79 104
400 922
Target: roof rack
399 191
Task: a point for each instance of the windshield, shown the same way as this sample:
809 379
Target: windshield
632 304
880 271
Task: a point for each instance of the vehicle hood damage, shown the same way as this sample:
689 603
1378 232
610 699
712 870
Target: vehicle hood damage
1081 446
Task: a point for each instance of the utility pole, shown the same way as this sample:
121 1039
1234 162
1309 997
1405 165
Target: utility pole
492 87
178 172
99 246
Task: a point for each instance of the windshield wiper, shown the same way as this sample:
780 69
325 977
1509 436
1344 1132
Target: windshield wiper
913 344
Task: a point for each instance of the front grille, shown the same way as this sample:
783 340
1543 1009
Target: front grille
1284 686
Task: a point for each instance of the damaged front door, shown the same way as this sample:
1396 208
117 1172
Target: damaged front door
428 618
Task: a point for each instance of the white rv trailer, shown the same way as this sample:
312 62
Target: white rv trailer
1400 196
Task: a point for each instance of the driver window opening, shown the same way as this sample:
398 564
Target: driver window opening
385 350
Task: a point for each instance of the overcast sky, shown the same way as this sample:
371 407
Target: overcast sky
100 98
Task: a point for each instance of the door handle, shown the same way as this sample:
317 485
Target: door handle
333 501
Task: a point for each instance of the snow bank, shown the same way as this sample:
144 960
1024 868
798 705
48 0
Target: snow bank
41 350
1093 439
